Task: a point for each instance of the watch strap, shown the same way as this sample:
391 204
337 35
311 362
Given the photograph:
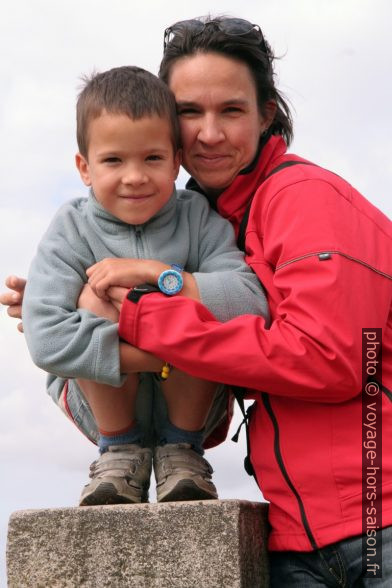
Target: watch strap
177 267
137 292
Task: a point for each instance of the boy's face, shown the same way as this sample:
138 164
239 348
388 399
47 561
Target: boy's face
130 165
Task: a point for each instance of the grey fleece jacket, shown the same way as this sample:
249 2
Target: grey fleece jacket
74 343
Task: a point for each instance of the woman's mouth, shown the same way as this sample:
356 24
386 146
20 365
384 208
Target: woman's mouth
212 159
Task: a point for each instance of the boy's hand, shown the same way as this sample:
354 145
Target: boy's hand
14 299
123 272
117 295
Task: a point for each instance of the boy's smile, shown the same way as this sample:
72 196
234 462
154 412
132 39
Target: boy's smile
130 165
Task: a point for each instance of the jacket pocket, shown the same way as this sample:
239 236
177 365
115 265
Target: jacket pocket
326 255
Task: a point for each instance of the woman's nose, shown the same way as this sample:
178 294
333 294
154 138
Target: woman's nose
211 131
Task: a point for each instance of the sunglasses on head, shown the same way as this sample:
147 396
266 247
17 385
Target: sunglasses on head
230 26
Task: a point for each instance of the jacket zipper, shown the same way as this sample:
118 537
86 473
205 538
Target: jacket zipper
279 459
324 255
139 244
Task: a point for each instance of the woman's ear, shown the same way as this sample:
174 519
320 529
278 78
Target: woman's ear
83 168
269 111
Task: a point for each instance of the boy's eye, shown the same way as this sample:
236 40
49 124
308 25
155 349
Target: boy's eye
111 160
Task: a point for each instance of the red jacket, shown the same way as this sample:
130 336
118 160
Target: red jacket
306 432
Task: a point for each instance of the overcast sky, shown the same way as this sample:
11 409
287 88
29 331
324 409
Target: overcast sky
335 68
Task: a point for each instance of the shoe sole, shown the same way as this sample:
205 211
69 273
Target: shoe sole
186 490
106 493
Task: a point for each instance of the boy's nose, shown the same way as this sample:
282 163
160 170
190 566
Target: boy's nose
134 175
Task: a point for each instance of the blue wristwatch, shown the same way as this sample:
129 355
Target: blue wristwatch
170 281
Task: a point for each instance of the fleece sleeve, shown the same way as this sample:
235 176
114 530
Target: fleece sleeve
227 286
312 350
62 339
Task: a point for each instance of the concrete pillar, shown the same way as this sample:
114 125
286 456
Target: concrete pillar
204 544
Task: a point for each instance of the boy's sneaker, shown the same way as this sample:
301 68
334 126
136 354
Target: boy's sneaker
182 474
120 475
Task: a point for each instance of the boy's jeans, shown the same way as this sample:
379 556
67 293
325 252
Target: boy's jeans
339 564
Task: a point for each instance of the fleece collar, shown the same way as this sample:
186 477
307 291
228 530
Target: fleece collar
114 226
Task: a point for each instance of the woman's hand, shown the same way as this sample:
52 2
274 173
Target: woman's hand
127 273
14 298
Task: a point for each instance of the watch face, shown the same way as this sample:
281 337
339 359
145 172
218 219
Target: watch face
170 282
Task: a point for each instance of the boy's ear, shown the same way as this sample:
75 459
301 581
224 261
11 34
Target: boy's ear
177 162
83 168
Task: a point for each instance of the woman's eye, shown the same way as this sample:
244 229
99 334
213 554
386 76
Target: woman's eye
186 111
233 109
154 157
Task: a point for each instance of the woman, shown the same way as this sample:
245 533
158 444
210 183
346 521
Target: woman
323 254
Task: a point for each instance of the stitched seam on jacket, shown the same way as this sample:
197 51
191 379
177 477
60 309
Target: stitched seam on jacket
334 252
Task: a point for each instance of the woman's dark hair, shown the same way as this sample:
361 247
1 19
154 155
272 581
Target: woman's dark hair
186 39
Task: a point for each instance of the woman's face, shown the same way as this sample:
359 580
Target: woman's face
219 117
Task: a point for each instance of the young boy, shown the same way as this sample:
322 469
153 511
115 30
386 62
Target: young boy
133 229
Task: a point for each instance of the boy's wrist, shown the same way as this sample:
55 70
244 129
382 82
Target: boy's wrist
170 281
190 288
152 269
155 270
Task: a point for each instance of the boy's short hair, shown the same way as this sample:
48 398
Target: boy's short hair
127 90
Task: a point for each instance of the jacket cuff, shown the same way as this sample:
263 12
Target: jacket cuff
107 363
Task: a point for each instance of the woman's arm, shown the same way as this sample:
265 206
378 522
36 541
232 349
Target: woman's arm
313 348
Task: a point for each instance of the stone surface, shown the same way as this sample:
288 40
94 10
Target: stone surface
203 544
